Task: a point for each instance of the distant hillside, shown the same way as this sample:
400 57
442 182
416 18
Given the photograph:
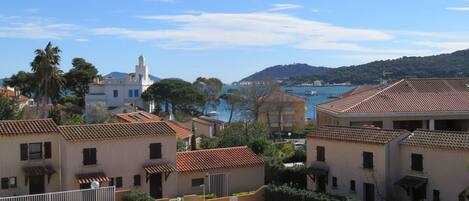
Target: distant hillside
455 64
1 82
120 75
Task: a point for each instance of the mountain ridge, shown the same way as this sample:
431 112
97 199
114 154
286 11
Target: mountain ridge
454 64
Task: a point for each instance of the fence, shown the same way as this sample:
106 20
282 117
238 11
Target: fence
100 194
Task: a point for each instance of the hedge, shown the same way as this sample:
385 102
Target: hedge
286 193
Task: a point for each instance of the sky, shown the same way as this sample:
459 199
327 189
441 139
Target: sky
228 39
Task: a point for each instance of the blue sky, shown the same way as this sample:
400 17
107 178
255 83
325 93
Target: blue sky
228 39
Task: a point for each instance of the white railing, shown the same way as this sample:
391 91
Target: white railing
100 194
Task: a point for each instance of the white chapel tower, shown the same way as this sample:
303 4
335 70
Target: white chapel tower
141 70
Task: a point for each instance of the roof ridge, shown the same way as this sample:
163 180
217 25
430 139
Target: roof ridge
26 120
117 123
442 131
374 95
366 128
214 149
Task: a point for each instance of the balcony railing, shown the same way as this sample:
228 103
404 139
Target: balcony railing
100 194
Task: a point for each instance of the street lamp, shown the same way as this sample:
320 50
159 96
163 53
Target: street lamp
289 135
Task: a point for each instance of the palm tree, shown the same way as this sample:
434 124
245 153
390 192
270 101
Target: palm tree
45 67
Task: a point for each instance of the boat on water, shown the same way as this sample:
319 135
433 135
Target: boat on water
311 93
212 113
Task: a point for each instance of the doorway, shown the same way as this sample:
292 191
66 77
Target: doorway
321 184
36 184
369 191
419 193
156 186
218 184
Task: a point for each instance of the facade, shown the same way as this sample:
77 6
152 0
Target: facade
434 104
122 93
221 171
379 164
283 112
136 156
353 162
12 94
204 126
29 157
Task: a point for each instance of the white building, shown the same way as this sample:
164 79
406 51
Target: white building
122 92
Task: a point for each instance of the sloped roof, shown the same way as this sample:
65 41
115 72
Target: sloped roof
139 116
142 116
27 127
210 159
407 95
357 134
115 131
437 139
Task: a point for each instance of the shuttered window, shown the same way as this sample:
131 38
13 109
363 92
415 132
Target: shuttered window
118 182
89 156
352 185
368 160
24 152
321 153
417 162
4 183
334 182
47 150
137 180
155 151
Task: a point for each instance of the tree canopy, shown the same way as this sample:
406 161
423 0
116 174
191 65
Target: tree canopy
78 78
212 88
22 81
9 109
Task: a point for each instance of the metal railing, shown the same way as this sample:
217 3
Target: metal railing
100 194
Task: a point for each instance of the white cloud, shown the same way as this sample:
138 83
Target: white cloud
208 30
33 28
445 46
458 8
281 6
81 40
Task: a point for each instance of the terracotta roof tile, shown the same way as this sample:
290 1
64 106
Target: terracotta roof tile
27 127
210 159
357 134
139 116
165 167
114 131
142 116
407 95
436 139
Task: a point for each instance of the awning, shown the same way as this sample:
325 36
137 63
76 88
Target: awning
318 169
412 182
159 168
38 170
91 177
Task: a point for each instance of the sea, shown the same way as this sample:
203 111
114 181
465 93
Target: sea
324 94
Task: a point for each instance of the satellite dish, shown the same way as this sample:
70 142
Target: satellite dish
94 185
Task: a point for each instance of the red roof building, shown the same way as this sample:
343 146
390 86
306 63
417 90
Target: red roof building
432 103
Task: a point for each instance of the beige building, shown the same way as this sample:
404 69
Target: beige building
283 112
29 157
353 162
136 156
434 104
204 126
221 171
378 164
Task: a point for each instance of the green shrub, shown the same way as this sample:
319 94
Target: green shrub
244 193
209 196
137 196
276 173
286 193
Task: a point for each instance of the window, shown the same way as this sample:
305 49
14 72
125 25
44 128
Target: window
368 160
417 162
111 181
320 153
8 182
155 150
116 93
436 195
130 93
352 185
136 93
35 150
334 182
89 156
137 179
24 152
47 150
197 182
118 182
